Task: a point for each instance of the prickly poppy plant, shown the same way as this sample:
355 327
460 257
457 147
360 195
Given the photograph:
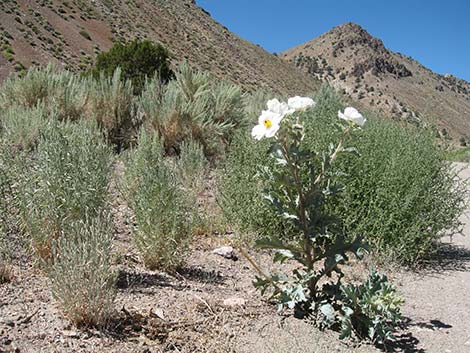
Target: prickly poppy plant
300 187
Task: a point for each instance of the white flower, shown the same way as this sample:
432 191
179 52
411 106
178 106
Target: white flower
300 103
351 114
280 108
268 125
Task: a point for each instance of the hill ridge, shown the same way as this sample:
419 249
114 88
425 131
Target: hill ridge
359 64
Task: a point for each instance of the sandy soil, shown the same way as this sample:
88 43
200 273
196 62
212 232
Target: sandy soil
185 311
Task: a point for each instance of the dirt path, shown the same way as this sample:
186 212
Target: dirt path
438 301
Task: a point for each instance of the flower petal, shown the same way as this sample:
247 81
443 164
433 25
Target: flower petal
300 103
272 130
258 132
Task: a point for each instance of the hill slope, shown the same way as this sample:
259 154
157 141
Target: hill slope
358 64
72 32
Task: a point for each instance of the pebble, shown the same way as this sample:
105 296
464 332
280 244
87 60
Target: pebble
225 251
234 301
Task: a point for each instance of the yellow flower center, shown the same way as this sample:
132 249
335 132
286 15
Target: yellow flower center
268 123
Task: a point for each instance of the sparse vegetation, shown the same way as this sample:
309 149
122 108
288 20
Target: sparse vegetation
397 193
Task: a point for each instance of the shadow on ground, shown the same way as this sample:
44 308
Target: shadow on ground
131 279
448 257
200 274
406 342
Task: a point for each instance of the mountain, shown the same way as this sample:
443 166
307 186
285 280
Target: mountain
360 66
72 32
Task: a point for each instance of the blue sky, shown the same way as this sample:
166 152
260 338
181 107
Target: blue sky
434 32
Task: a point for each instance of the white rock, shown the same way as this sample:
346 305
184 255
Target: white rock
225 251
234 301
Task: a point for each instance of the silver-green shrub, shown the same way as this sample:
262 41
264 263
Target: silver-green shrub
67 182
22 127
58 91
191 166
163 211
5 189
193 106
83 281
35 87
69 97
111 103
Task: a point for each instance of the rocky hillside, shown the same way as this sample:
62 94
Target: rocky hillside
365 70
72 32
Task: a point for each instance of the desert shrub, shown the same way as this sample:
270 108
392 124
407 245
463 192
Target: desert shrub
22 126
254 103
60 92
191 166
111 103
193 106
4 211
67 182
11 241
162 209
83 281
240 190
138 61
400 195
28 91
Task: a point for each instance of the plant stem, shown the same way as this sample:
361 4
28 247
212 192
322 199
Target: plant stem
302 209
334 155
257 267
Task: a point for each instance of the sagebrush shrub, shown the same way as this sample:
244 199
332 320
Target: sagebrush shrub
83 281
111 104
162 209
35 87
191 165
4 221
67 181
22 126
60 92
193 106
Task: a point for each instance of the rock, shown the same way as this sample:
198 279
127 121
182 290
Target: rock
159 313
225 251
9 323
234 301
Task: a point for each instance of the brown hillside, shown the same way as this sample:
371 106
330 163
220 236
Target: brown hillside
358 64
72 32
